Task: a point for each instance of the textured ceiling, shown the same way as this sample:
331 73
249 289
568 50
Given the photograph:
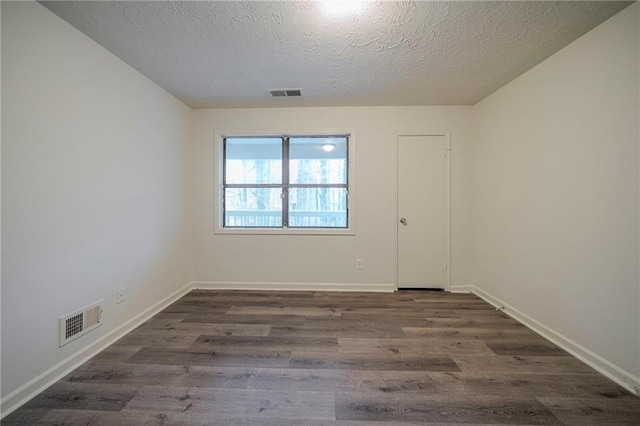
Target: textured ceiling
228 54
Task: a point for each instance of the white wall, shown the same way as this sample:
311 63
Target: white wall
638 118
309 260
0 194
95 190
556 195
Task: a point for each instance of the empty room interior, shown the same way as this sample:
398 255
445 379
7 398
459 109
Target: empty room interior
320 212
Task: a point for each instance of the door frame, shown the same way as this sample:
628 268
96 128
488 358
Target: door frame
447 204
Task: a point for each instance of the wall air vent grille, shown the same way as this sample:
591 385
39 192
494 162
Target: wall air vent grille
80 322
285 93
73 326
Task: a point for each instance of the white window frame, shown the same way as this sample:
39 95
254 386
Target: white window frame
218 208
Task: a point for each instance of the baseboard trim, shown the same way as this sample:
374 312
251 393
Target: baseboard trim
33 387
286 286
461 289
602 365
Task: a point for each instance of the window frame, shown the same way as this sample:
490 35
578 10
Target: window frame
219 170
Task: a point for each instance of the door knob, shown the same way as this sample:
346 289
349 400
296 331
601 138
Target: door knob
403 221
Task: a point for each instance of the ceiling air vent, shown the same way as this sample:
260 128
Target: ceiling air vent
285 93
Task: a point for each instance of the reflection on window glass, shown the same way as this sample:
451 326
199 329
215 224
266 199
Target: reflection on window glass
318 160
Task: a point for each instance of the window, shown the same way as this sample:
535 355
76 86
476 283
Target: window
285 182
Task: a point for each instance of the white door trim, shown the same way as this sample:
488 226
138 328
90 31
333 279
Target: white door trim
447 204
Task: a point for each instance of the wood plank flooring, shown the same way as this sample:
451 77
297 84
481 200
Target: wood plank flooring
318 358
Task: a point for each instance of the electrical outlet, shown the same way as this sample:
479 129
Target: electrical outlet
120 295
359 264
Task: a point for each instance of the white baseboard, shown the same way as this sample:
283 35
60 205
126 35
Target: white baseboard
33 387
284 286
602 365
461 289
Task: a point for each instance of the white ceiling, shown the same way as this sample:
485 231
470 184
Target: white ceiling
228 54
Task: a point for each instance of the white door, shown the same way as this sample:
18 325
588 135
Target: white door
423 212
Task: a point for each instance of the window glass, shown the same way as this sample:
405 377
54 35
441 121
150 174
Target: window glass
253 160
318 160
252 207
318 207
285 182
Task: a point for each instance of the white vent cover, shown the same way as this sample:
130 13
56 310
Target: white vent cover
80 322
284 93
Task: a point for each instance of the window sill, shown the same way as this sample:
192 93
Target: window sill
284 231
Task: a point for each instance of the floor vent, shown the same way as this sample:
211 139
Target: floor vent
80 322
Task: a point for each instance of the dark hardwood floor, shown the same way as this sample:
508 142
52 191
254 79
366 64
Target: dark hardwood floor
313 358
